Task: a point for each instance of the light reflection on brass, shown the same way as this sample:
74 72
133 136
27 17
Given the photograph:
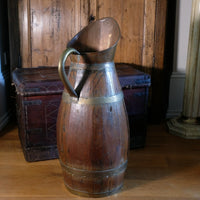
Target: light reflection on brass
92 67
92 100
94 173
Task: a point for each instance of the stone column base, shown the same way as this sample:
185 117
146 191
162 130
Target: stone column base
188 131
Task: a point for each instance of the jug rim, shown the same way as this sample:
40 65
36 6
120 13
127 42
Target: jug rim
86 27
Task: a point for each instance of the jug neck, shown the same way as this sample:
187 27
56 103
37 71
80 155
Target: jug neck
94 57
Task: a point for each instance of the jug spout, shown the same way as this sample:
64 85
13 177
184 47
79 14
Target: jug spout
97 42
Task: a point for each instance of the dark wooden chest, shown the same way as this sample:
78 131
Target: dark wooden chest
39 93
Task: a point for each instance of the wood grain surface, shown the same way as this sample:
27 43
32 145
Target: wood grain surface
46 26
93 130
168 168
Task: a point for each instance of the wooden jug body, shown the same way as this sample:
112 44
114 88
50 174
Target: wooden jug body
92 125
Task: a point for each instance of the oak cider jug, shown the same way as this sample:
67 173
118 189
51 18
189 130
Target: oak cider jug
92 123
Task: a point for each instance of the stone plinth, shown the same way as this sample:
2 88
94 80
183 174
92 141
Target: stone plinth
178 127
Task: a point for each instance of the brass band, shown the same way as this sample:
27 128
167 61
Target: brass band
89 194
94 174
96 67
92 100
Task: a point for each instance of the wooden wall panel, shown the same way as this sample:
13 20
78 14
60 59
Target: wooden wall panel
24 27
132 32
160 31
47 25
159 74
149 33
45 32
52 24
129 15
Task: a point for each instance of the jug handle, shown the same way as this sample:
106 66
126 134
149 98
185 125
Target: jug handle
61 71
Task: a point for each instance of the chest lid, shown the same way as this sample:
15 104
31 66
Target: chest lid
37 81
129 77
46 81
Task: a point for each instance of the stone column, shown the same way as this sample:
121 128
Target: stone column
188 126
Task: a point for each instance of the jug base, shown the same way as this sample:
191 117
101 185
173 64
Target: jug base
88 194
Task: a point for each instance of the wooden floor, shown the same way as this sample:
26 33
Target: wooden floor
168 168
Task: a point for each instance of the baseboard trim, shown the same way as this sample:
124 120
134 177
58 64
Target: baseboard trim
176 93
5 119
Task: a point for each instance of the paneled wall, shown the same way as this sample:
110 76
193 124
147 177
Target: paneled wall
47 25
